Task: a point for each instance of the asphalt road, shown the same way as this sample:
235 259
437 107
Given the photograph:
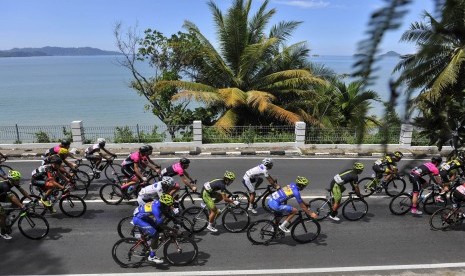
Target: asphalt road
83 245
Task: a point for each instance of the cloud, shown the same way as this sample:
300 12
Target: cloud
303 3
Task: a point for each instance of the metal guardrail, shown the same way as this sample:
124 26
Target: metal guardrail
248 134
34 134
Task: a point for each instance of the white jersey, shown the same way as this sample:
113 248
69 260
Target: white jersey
150 193
257 171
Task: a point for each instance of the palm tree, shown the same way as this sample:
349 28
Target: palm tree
254 78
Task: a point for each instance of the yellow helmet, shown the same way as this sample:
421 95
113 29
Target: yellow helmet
301 180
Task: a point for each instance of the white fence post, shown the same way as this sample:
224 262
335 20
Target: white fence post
406 134
197 125
77 130
300 133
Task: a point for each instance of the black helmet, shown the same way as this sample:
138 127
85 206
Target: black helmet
184 161
144 149
150 147
436 159
65 142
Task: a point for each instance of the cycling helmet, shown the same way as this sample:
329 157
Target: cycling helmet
185 161
436 159
229 175
302 181
150 147
267 162
101 141
65 143
144 149
63 151
166 180
358 166
55 159
166 199
398 154
14 175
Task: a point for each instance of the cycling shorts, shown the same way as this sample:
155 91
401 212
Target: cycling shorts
252 183
211 199
337 191
278 207
416 181
147 226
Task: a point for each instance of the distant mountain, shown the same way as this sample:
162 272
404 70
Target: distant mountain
390 54
56 51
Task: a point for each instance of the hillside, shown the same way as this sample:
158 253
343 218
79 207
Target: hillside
56 51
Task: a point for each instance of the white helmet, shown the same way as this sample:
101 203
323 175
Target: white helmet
267 162
166 180
101 141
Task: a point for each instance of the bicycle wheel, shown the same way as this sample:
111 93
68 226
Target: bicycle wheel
81 184
321 206
130 252
236 219
261 231
38 207
243 198
190 199
400 204
180 251
87 169
72 206
4 169
126 229
183 222
431 203
198 216
33 226
305 230
354 209
395 186
111 170
367 186
111 194
441 219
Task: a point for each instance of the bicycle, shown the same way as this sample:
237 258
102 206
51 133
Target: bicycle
353 208
370 185
177 249
107 166
71 205
126 229
303 229
234 219
33 226
446 217
402 203
4 169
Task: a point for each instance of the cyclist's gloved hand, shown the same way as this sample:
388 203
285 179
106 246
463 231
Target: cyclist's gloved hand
176 211
144 179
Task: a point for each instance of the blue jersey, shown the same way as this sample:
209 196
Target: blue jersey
150 210
286 193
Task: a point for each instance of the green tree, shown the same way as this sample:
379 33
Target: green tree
253 78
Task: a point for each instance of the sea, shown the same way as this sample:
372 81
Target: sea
56 90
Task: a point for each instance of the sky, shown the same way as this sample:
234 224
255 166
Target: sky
330 27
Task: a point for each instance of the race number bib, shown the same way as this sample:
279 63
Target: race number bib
378 162
207 187
275 195
445 167
148 207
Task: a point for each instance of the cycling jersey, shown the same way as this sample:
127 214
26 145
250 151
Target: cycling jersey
53 150
93 149
153 191
449 168
252 175
135 157
211 192
5 188
339 180
417 173
278 198
40 176
175 169
384 165
148 217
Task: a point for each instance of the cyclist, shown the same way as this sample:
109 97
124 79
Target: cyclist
149 218
97 158
252 179
179 168
13 180
213 192
132 167
44 177
151 192
458 196
449 172
337 186
387 166
278 199
417 180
